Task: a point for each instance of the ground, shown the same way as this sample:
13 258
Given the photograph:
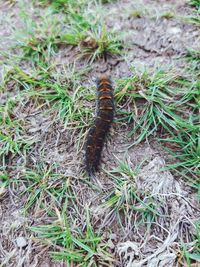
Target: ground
142 208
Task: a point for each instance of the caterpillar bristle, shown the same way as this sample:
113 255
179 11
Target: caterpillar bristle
102 123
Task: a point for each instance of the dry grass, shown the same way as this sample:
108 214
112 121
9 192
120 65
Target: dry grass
143 207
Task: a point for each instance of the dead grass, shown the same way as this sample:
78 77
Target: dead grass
143 207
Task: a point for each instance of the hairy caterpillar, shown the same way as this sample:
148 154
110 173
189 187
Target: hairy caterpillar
99 130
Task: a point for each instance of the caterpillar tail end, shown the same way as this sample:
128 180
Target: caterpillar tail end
91 171
92 174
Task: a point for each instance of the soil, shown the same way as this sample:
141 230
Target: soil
153 40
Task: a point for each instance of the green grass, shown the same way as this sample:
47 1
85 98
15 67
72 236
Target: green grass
152 102
195 17
72 244
92 38
107 1
125 199
57 4
161 105
193 57
166 104
40 40
60 5
13 139
141 11
167 15
100 43
137 13
195 3
192 255
192 19
186 157
64 96
5 181
45 189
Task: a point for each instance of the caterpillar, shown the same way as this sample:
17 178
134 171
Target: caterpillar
102 123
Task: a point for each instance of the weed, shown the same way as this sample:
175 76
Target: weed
100 43
92 38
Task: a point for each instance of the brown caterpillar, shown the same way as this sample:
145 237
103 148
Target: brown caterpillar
102 123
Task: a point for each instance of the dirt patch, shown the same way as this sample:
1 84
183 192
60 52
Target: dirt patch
156 36
178 208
